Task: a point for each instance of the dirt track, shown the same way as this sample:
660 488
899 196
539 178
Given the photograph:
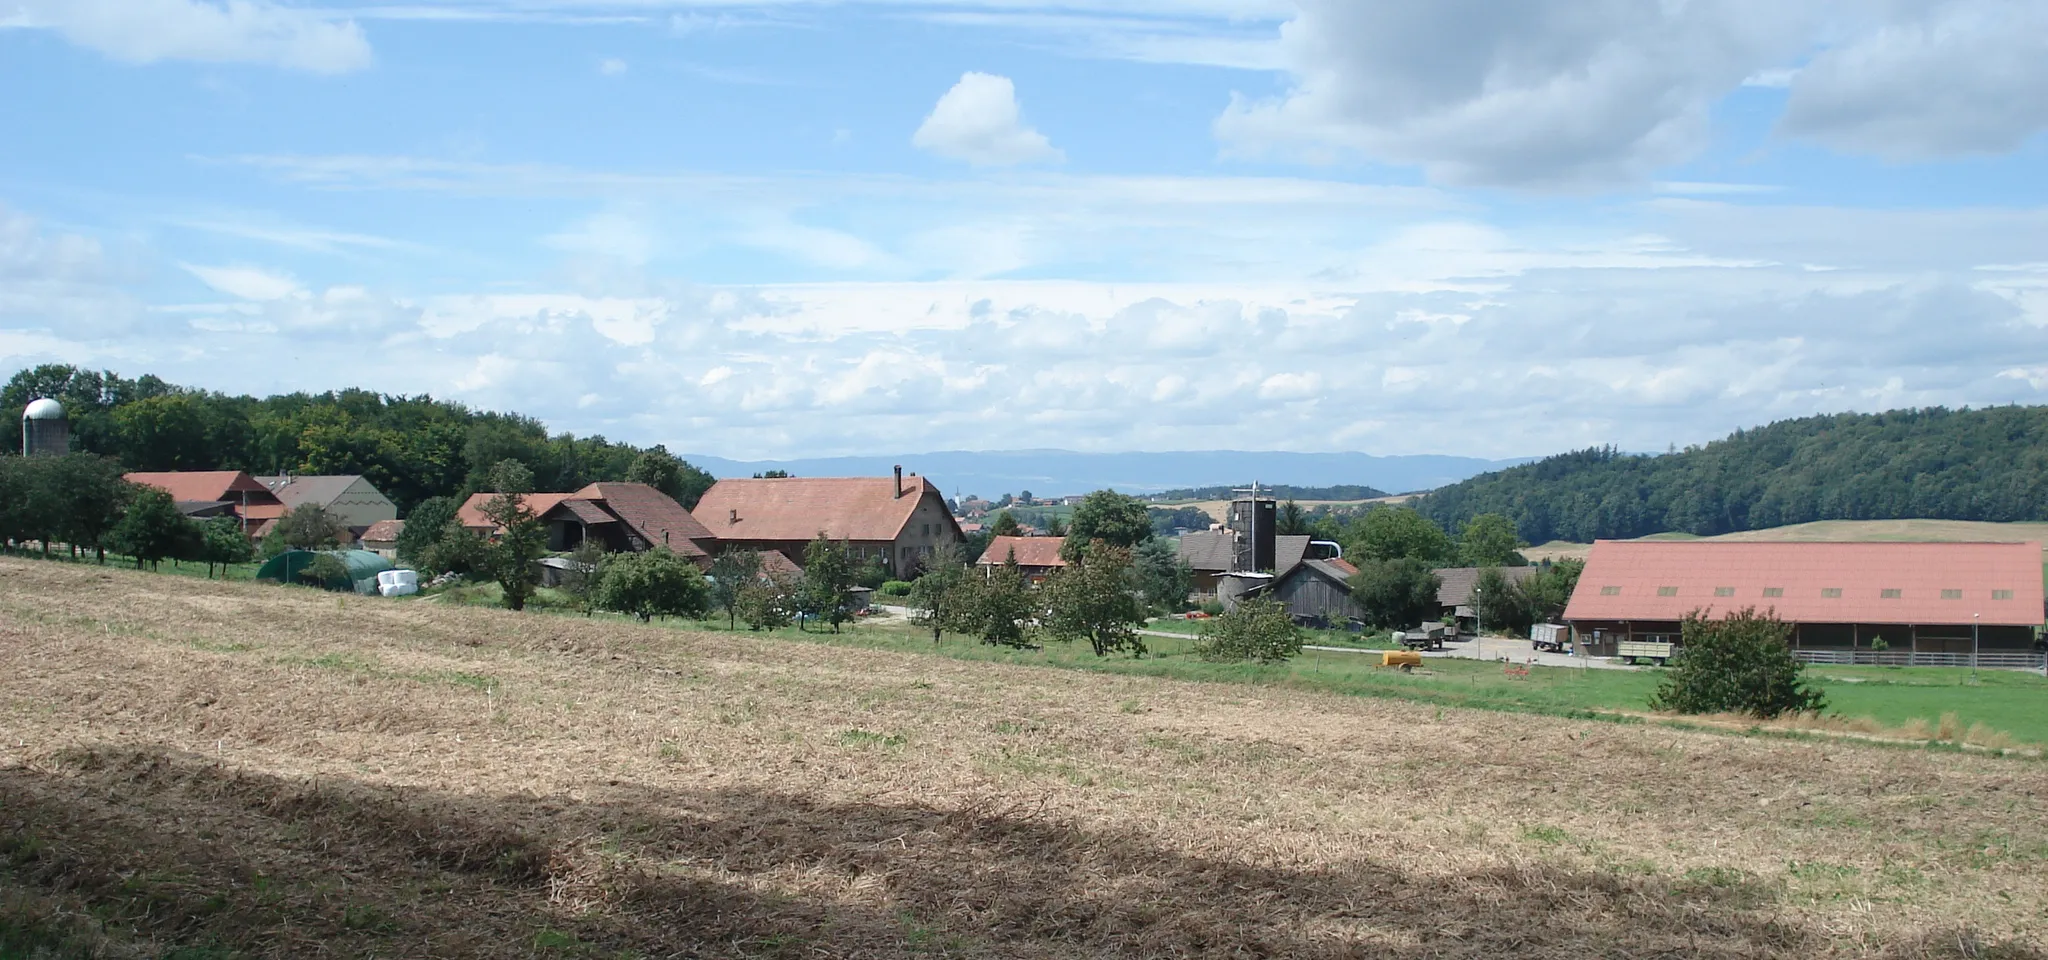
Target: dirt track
284 773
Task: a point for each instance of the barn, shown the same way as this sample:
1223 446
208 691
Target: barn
1918 603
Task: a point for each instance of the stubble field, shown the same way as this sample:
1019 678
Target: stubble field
234 769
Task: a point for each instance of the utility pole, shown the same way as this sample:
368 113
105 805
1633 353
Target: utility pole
1974 619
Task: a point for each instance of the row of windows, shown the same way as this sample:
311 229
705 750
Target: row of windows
1827 593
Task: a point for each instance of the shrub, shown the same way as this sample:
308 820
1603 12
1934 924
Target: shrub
1212 607
895 588
1740 664
766 602
656 583
1260 630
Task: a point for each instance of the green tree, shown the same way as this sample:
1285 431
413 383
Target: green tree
15 489
152 529
88 494
1489 541
522 540
510 476
424 527
996 606
1005 526
1394 533
767 601
326 571
653 583
1163 580
1110 517
731 573
580 578
1499 604
664 472
171 432
1742 663
310 526
222 543
934 595
1260 630
1094 599
827 586
1293 522
1549 590
1397 593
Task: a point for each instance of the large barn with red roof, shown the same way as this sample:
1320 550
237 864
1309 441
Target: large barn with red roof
896 520
1925 598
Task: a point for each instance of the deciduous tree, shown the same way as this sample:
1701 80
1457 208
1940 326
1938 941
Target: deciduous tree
1395 594
936 594
310 526
1259 630
1394 533
1489 540
222 543
827 582
1095 599
152 530
1110 517
1741 663
653 583
731 573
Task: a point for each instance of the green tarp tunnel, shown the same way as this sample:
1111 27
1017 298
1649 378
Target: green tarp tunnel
362 565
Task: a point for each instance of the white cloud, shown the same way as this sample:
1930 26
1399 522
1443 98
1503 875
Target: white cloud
1541 93
1960 77
216 31
978 121
612 67
249 283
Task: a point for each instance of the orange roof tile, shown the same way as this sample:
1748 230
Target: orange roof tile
1031 551
206 485
798 508
471 513
654 515
1910 583
383 531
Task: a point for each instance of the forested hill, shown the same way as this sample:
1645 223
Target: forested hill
412 448
1936 463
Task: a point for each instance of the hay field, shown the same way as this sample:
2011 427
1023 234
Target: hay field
242 770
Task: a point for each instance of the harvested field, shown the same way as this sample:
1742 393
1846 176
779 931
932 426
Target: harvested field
248 770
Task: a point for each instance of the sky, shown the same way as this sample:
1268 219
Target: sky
800 228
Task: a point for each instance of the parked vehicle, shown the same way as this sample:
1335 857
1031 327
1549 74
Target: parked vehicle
1429 636
1654 651
1550 637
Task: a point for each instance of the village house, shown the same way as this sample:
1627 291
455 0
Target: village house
382 538
349 498
1037 557
1454 593
897 520
203 494
623 517
1928 603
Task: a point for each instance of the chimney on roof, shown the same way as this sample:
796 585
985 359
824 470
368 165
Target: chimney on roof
732 517
899 481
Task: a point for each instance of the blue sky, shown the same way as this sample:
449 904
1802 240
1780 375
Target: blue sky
790 228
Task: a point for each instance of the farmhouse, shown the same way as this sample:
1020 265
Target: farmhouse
1212 554
213 493
1454 592
471 513
1037 557
351 499
624 517
897 520
1921 599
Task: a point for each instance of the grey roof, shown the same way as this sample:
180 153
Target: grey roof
1288 551
1455 590
321 490
1207 550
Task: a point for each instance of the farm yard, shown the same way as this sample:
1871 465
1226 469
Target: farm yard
228 769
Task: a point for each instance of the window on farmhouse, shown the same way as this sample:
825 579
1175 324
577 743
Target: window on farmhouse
1831 593
1774 591
2001 594
1610 591
1951 594
1724 591
1667 591
1890 593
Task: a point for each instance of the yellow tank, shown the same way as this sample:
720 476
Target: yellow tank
1400 658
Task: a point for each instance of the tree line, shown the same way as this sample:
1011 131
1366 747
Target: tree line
411 448
1989 464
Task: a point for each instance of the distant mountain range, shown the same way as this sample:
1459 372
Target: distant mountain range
1064 472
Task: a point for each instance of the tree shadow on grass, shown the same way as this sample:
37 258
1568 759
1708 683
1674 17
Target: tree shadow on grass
116 852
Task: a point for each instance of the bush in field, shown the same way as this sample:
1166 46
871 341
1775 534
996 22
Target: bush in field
1742 663
997 606
767 602
731 572
895 588
1260 630
222 543
656 583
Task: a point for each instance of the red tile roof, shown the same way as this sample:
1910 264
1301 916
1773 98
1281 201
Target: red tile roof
1909 583
206 485
383 531
656 517
798 508
471 513
1031 551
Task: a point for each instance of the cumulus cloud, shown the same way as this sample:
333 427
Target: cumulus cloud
228 31
1960 77
1589 93
248 283
978 121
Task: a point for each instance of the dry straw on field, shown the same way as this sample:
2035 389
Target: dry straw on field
277 772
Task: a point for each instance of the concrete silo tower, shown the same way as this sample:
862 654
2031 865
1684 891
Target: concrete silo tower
44 430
